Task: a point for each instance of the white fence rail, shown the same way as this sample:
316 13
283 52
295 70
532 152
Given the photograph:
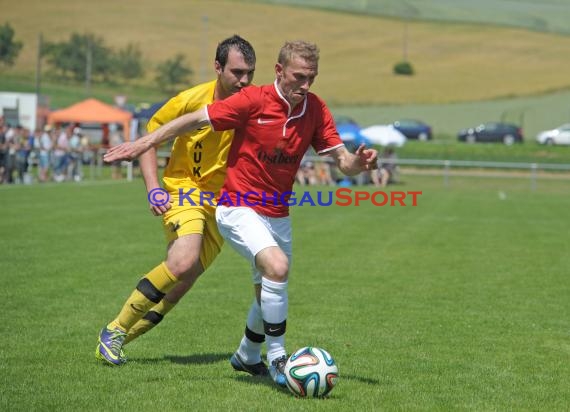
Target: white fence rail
446 168
449 168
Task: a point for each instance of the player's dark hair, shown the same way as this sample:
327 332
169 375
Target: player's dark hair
244 47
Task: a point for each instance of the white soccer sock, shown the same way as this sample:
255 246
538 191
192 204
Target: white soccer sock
249 350
274 305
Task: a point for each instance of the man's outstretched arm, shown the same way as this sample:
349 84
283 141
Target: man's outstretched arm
168 131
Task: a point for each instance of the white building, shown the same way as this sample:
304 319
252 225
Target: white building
19 108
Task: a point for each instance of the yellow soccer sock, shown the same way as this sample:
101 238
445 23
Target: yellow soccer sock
150 320
149 292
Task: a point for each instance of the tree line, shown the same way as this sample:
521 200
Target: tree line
86 56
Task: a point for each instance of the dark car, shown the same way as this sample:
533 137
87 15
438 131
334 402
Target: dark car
413 129
492 132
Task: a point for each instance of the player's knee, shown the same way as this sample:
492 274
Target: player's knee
179 268
183 267
273 263
278 270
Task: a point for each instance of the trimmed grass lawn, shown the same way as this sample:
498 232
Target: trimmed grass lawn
458 303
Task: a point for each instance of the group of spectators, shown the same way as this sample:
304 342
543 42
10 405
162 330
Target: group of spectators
58 153
321 171
316 172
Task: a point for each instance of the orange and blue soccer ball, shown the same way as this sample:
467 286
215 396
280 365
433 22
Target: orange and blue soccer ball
311 372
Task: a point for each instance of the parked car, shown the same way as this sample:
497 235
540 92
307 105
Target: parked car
560 135
492 132
350 132
384 135
413 129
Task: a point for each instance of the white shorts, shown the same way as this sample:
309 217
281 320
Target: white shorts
249 233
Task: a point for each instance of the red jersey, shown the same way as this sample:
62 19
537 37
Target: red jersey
269 142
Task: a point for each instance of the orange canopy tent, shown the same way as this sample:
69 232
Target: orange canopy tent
92 111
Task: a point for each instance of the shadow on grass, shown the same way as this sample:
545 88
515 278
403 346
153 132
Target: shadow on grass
210 358
197 359
260 380
360 379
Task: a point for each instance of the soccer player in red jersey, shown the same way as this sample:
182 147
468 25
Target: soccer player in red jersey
274 126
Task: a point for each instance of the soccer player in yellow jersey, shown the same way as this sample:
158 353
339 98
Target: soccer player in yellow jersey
197 169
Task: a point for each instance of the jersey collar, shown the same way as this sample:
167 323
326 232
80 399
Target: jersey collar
289 110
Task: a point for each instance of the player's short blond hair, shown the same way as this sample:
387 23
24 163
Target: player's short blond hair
300 48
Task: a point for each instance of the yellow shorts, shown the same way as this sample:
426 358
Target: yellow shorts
185 220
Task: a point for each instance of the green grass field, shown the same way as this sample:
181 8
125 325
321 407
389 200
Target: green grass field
459 303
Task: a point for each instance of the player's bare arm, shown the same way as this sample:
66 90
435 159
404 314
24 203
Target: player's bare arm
353 163
149 170
183 124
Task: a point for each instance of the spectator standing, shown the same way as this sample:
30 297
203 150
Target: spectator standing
87 155
45 149
3 148
22 146
115 140
60 155
33 144
12 140
75 155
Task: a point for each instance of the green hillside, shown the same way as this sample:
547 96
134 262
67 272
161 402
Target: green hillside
465 72
533 113
454 62
546 15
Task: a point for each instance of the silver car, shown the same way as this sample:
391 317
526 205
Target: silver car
560 135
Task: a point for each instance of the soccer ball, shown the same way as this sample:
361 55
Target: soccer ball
311 372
